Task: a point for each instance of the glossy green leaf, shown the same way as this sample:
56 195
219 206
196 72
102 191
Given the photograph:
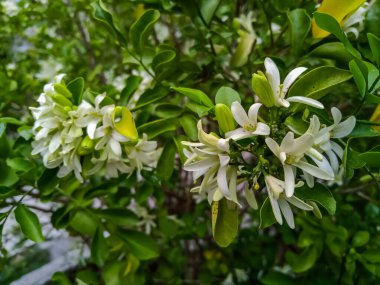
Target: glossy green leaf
300 24
8 176
76 87
131 86
19 164
150 96
374 43
189 125
48 181
168 111
84 222
141 29
99 249
155 128
227 96
267 217
319 81
140 245
29 223
119 216
195 95
359 78
102 14
330 24
305 260
276 278
351 160
371 159
334 50
225 223
163 64
11 121
208 9
319 194
360 238
166 163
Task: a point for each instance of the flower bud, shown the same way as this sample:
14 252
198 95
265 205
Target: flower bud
61 89
123 122
61 100
262 89
86 146
224 117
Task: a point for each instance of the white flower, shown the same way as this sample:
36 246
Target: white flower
280 202
280 90
291 153
355 22
209 158
249 125
143 153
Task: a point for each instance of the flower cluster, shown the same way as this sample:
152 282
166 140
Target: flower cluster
263 150
87 138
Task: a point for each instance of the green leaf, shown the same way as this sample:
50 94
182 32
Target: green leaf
319 194
99 249
360 238
276 278
371 159
102 14
359 78
267 217
141 28
168 111
334 50
150 96
330 24
200 110
227 96
119 216
130 88
84 222
208 9
374 43
140 245
8 176
224 221
155 128
372 255
165 165
305 260
164 64
195 95
19 164
189 125
26 132
351 160
319 81
363 130
48 181
300 24
76 87
29 223
11 121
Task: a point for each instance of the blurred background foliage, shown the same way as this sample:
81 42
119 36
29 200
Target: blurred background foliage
157 232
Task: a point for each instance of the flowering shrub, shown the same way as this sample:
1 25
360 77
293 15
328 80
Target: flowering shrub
202 142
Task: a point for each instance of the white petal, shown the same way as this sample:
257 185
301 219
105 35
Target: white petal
55 142
287 212
299 203
313 170
253 113
115 146
333 161
337 115
302 144
238 134
239 114
222 181
200 165
273 146
99 99
250 197
91 128
273 76
287 142
262 130
289 180
307 101
291 77
275 208
345 128
309 179
337 149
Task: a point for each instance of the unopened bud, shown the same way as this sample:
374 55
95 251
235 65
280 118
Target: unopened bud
262 89
123 122
224 117
86 146
61 100
61 89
